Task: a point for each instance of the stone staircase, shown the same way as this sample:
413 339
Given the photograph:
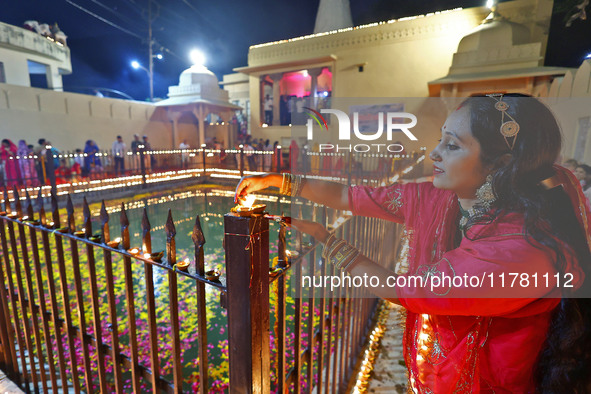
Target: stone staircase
389 374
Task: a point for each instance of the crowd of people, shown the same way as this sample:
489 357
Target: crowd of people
27 165
264 162
292 108
24 164
582 172
52 32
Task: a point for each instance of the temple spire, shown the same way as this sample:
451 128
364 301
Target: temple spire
333 15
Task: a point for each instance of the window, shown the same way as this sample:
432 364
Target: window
298 89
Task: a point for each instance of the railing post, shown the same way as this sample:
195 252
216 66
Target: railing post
143 165
247 270
204 163
278 158
241 160
50 168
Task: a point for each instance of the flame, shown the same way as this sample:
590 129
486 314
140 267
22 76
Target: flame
248 201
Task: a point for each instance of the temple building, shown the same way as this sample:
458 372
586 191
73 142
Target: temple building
454 53
197 97
25 52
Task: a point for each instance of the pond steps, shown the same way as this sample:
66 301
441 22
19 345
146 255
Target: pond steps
31 385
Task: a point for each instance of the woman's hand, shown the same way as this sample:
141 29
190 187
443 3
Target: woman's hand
316 230
251 184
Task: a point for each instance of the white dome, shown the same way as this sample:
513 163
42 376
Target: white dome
495 34
198 75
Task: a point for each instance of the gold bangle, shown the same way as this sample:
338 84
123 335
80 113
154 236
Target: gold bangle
295 180
335 247
289 179
286 184
331 238
282 188
351 254
297 185
351 261
342 253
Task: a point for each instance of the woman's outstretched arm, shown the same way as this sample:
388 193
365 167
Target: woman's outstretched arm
362 267
331 194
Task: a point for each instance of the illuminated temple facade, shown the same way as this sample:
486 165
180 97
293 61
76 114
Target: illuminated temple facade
454 53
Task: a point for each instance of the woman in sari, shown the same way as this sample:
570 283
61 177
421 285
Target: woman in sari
497 206
26 163
8 153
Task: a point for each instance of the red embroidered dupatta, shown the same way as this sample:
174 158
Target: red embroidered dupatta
469 340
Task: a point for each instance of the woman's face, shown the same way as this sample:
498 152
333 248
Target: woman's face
580 173
457 164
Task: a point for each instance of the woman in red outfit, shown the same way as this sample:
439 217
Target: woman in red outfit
8 153
497 206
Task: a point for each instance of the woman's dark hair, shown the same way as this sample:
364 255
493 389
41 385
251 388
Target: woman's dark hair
5 141
565 361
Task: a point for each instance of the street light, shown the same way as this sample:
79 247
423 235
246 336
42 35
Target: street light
136 65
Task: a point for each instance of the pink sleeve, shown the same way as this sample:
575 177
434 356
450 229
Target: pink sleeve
487 268
391 202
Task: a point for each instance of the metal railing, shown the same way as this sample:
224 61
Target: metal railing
53 344
56 334
79 172
330 330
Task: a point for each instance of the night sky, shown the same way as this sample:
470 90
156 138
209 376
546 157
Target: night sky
222 29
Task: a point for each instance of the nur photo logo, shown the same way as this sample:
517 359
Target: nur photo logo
394 121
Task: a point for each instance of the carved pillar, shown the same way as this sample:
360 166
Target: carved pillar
199 113
230 132
174 118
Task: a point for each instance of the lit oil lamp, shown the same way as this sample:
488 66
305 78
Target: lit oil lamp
183 264
95 238
291 254
157 256
32 221
114 243
212 275
134 251
246 207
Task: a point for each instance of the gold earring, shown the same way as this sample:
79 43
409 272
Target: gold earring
485 194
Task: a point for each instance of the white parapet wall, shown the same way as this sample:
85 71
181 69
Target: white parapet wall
69 119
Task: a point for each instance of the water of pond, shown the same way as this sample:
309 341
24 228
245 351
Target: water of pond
210 204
